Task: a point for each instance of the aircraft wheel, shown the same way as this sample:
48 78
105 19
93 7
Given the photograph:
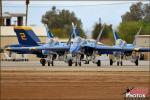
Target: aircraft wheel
111 62
54 57
48 63
80 63
76 63
98 63
52 63
43 62
117 63
86 62
70 62
82 56
136 62
121 63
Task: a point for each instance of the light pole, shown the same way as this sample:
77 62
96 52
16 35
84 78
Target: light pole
27 3
1 18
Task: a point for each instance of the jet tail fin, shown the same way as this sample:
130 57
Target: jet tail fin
26 36
116 36
49 34
100 34
74 33
138 32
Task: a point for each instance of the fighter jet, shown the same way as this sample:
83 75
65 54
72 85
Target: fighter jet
129 50
88 47
29 43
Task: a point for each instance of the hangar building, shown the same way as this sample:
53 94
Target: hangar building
143 41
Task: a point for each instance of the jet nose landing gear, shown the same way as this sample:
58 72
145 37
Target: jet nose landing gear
43 62
50 63
49 60
70 62
119 63
136 62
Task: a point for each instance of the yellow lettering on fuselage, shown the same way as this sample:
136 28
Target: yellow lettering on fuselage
23 36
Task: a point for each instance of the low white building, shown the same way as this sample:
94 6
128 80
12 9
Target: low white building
143 41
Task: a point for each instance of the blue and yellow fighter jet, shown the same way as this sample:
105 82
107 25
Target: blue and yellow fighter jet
128 50
29 43
92 48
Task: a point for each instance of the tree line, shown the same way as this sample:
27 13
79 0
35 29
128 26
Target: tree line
59 22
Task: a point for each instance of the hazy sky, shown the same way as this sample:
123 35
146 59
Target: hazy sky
88 11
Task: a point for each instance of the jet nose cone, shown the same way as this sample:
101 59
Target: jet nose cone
71 51
74 48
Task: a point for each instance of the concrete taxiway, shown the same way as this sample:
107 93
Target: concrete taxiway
62 66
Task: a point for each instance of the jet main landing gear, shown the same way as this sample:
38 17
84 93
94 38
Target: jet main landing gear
136 62
99 63
111 62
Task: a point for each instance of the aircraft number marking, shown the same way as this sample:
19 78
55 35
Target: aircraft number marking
23 36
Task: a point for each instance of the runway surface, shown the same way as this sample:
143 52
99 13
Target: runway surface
31 81
62 66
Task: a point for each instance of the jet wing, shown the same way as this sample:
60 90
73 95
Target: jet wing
36 48
103 49
108 49
141 49
120 49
